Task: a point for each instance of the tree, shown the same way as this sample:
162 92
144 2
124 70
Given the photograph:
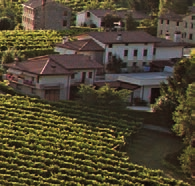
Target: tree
177 6
184 117
105 96
109 20
5 23
93 4
175 88
130 24
115 65
9 56
108 5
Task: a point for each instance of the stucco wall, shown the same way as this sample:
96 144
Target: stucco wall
168 52
49 16
62 81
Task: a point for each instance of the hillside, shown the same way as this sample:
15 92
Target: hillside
46 143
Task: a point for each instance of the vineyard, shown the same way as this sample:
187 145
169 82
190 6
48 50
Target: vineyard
34 43
64 143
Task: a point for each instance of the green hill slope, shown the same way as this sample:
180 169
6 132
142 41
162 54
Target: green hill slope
66 144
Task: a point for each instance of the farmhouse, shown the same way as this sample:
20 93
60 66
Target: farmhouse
137 49
51 77
170 23
94 17
45 14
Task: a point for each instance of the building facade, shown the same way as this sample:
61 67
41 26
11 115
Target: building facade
45 14
177 27
137 49
51 77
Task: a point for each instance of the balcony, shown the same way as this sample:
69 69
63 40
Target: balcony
17 80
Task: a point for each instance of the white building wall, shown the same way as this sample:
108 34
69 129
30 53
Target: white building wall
63 50
118 50
80 18
165 53
62 81
78 76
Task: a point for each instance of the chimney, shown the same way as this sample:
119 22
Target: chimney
177 36
43 2
64 39
119 37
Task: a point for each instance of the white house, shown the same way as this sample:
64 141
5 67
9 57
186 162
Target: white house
51 77
137 49
94 17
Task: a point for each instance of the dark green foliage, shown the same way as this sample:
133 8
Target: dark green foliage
115 65
176 87
104 96
109 20
5 23
130 23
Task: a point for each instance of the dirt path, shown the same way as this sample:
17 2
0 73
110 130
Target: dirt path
149 148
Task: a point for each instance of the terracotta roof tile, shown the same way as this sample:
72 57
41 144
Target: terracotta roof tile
126 37
55 64
117 84
81 45
35 3
77 61
168 43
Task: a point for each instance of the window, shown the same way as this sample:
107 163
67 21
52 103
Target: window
161 21
90 75
88 14
65 13
135 52
134 64
184 35
110 46
154 51
193 17
167 22
177 23
144 63
33 90
161 32
192 25
190 36
126 44
186 24
145 52
125 52
64 22
72 76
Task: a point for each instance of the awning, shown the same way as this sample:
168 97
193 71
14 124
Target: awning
117 84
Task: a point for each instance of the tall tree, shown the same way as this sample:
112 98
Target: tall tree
130 23
175 88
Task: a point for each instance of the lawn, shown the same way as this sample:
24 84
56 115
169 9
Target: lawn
149 148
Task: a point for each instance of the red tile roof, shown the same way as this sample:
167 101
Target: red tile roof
55 64
168 43
77 61
81 45
126 37
35 3
117 84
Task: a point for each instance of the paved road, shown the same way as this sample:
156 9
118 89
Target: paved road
157 128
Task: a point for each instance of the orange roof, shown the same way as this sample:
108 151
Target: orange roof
81 45
55 64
